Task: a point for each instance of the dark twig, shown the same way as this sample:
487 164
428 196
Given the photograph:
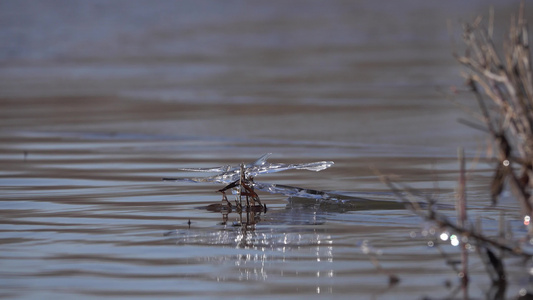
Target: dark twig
443 222
461 220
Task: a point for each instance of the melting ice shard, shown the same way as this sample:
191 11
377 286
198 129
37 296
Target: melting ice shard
231 175
228 174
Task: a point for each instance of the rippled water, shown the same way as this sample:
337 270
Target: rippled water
100 100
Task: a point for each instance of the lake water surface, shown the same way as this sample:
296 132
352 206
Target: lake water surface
100 100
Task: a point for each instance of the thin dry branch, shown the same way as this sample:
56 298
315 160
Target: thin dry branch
442 221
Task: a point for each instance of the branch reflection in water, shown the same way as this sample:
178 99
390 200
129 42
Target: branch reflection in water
256 253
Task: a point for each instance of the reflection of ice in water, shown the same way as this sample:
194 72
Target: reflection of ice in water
242 238
258 253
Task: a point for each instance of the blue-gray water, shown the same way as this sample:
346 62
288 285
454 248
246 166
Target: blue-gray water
100 100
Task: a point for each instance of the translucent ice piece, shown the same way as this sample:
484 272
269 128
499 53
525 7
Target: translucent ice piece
229 173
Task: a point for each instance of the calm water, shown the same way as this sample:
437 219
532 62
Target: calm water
101 100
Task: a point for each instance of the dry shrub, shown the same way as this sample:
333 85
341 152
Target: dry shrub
503 87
